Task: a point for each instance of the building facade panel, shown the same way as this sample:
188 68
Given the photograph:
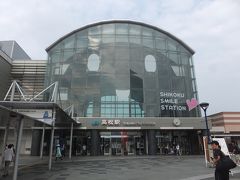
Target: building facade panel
5 70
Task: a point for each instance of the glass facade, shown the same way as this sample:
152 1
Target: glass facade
123 69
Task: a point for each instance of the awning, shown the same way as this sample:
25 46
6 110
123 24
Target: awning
41 111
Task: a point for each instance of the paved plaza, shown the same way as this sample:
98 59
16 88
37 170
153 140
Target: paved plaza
119 168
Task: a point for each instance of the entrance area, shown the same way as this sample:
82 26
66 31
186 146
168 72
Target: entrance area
119 143
171 142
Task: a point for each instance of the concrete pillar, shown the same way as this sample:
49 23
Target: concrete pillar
152 142
51 149
18 146
52 138
42 142
95 143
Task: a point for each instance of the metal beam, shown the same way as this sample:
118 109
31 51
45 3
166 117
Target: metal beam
43 91
8 91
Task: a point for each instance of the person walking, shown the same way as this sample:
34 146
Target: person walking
178 150
217 156
63 150
8 158
58 152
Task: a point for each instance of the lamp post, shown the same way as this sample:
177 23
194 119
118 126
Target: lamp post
204 106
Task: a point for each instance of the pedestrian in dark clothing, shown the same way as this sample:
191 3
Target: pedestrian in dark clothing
217 156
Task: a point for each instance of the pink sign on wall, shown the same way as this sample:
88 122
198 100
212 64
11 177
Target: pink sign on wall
193 103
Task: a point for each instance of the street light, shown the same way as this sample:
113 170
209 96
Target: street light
204 106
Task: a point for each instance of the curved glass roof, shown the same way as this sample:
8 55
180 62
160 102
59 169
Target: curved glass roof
105 28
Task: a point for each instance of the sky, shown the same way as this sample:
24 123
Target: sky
210 27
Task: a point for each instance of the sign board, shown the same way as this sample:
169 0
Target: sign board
44 115
208 150
223 145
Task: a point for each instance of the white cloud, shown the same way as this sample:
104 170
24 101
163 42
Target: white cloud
210 27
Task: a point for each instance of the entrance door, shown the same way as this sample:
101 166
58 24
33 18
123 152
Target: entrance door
105 146
139 145
116 146
122 143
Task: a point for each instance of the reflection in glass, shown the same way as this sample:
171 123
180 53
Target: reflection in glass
93 62
150 63
123 95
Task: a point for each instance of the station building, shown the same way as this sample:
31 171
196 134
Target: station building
129 83
132 86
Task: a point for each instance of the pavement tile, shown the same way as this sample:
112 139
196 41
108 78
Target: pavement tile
119 168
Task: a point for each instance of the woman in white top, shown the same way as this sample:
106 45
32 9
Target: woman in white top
8 157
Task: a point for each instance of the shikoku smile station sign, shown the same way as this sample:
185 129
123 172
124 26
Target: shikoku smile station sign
176 101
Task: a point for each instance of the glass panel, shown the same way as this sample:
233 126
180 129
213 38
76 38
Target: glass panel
69 42
55 57
122 38
137 95
147 32
150 63
136 81
134 29
92 83
96 30
122 67
60 69
94 40
178 84
122 53
93 62
63 93
121 28
173 57
184 59
176 70
79 82
82 43
192 73
160 43
172 45
164 83
150 82
108 39
193 86
150 97
135 39
148 42
108 29
191 61
122 95
122 82
67 55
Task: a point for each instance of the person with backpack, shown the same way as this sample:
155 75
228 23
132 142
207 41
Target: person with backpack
222 162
